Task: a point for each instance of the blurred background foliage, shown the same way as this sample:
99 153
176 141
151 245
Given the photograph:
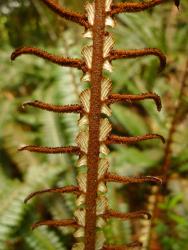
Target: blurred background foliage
28 22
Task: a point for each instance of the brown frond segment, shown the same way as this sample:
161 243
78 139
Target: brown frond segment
67 14
115 139
126 247
55 223
134 7
127 216
67 189
134 53
94 124
113 98
54 108
111 177
63 61
51 150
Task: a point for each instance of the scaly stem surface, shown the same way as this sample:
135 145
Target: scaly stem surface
94 124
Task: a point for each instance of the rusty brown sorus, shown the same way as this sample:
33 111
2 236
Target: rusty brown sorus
93 141
118 8
66 62
54 108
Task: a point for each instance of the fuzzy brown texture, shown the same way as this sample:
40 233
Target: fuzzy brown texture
113 98
134 53
134 7
67 189
111 177
135 245
94 124
115 139
67 14
54 108
131 246
66 62
126 216
51 150
55 223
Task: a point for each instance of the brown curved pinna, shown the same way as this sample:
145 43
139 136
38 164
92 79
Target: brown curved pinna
55 223
134 53
126 216
67 189
54 108
67 14
115 139
62 61
51 150
113 98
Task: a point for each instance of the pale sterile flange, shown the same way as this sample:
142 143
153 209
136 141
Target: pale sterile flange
90 12
87 52
106 110
106 88
80 200
103 167
100 240
108 45
102 204
82 161
104 149
82 181
80 216
85 99
82 141
105 129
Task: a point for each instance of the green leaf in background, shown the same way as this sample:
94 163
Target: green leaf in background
129 120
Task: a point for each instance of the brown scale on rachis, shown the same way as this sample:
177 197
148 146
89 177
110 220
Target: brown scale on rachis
92 209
